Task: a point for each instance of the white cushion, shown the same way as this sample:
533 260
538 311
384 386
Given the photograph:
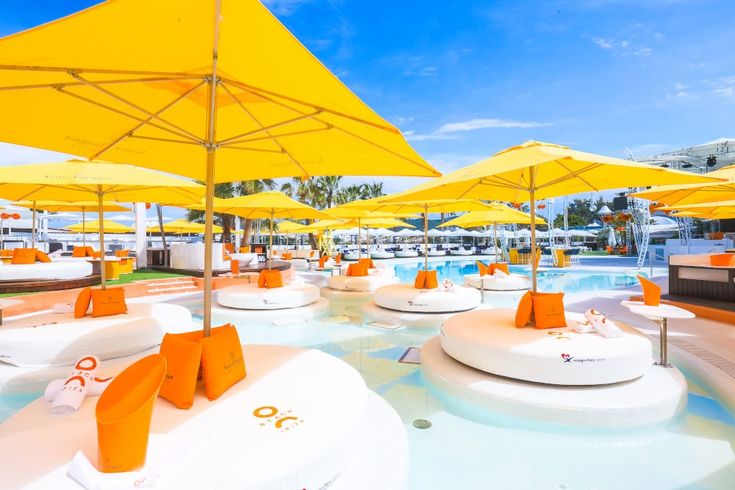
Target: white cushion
498 282
51 339
382 254
360 283
407 253
55 270
251 297
404 297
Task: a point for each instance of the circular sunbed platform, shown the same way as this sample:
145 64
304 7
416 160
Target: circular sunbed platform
381 254
490 342
346 302
314 311
371 312
437 253
280 427
367 283
405 297
404 254
46 271
656 397
251 297
512 282
59 339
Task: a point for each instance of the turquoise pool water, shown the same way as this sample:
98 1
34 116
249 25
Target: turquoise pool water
570 281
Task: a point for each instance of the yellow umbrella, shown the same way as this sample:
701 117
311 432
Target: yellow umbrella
76 180
706 216
61 206
537 170
181 227
364 223
289 227
106 226
216 90
721 207
694 193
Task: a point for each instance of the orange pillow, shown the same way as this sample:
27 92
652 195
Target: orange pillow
311 254
222 361
79 252
287 256
234 267
368 263
183 358
548 310
108 302
245 250
420 281
482 268
273 279
42 257
230 247
524 312
651 292
89 251
261 279
122 253
501 267
432 282
24 256
96 255
721 260
81 305
322 261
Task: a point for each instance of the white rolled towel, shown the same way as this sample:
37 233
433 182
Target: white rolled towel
96 389
63 308
602 325
76 386
583 326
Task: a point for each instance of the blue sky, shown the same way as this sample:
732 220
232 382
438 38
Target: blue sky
464 79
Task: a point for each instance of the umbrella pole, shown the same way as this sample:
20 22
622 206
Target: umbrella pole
495 241
426 237
208 242
359 240
103 280
84 228
532 189
270 245
33 227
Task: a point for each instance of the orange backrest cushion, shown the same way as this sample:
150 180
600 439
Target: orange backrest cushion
89 251
97 255
368 263
42 257
338 259
287 256
420 281
261 279
482 268
432 282
322 261
230 247
721 260
24 256
122 253
273 279
79 252
81 305
501 267
524 312
651 292
311 254
234 267
359 270
245 250
548 310
6 253
183 358
108 302
222 361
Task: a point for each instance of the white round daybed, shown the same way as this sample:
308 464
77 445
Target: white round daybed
405 297
460 251
368 283
293 429
371 312
436 253
498 282
59 339
353 255
381 254
405 254
251 297
273 317
656 397
46 271
489 341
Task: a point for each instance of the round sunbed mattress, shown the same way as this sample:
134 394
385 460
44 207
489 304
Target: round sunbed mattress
403 254
655 397
360 283
316 436
436 253
244 318
405 297
251 297
382 255
371 312
53 339
460 252
498 282
490 342
46 271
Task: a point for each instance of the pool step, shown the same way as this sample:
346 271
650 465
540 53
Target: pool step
170 286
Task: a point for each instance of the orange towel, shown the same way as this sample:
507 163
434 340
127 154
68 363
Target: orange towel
651 292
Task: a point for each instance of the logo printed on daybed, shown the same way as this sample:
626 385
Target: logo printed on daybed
569 359
278 418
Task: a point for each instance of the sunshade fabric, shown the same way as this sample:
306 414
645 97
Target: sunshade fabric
384 205
363 223
61 206
676 195
181 226
496 216
94 227
265 205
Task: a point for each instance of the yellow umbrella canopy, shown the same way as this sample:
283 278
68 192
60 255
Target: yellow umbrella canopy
94 227
492 217
288 227
216 90
705 216
181 227
695 193
334 224
721 207
535 170
71 207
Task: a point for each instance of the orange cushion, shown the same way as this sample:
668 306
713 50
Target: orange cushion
42 257
367 263
108 302
721 260
24 256
234 267
420 281
81 305
548 310
97 255
432 282
322 261
89 251
651 292
222 361
357 270
183 357
287 256
311 254
122 253
230 247
502 267
338 259
482 268
524 310
273 279
79 252
261 279
245 250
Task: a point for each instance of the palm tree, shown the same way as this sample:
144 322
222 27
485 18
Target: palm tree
245 188
325 191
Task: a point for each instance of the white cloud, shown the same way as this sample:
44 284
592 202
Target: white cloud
724 87
284 7
623 47
16 154
452 130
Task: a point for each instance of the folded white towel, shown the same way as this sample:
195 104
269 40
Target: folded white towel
583 326
76 386
501 274
96 388
602 325
593 316
63 308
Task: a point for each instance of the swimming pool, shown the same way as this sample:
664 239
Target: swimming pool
569 280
